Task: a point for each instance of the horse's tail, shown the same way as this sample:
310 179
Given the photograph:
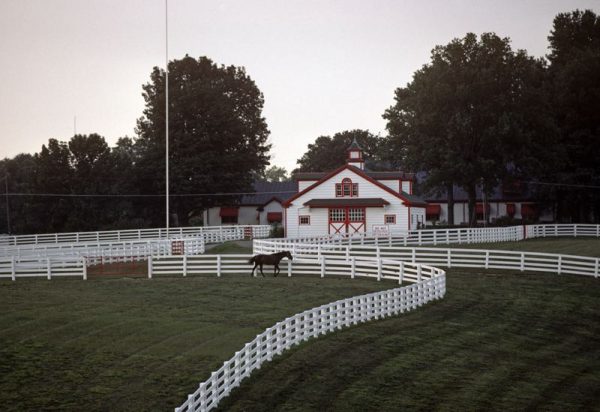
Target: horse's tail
251 260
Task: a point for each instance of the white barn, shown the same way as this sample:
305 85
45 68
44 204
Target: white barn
352 200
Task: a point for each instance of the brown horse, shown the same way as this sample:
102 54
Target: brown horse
274 259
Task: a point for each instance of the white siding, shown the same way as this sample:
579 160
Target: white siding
303 184
247 215
406 187
392 184
319 220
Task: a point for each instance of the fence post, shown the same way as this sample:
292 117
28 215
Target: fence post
84 263
559 264
522 262
487 259
218 266
49 269
401 273
184 264
353 267
289 268
378 269
596 268
449 259
14 274
149 267
322 266
347 253
414 258
419 268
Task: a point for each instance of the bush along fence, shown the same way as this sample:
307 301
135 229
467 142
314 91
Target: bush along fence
426 284
211 234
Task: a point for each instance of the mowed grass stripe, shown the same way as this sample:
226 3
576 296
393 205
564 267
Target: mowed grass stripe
496 342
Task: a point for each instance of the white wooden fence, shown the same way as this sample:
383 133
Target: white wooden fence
428 283
13 268
59 246
211 233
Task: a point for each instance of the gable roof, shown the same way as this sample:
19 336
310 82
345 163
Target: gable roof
410 200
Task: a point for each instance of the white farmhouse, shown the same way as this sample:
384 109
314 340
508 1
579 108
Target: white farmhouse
352 200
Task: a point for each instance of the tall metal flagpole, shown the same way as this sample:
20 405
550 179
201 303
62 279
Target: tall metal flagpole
167 110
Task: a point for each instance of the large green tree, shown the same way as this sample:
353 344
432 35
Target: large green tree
218 136
575 85
327 153
475 115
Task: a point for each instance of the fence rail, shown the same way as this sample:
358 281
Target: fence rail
13 268
211 233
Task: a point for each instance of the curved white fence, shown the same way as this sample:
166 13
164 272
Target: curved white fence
428 283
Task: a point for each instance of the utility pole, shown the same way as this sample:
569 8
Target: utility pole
167 111
7 204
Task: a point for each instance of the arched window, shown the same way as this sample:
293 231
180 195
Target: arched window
346 188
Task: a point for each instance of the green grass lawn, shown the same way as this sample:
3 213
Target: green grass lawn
497 341
567 246
137 344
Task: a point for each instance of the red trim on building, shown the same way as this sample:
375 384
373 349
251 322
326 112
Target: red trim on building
511 210
274 217
479 208
228 211
357 171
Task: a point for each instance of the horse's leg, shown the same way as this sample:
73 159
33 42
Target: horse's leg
253 269
275 269
261 270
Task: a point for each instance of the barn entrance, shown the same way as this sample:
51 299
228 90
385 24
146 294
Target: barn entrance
347 220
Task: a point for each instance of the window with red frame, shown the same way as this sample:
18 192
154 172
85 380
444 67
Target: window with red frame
390 219
304 220
346 188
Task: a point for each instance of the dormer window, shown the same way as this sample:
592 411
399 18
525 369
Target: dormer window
354 154
346 188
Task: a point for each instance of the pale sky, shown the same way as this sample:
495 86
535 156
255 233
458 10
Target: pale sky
324 66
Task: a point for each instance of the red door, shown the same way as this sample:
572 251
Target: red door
347 220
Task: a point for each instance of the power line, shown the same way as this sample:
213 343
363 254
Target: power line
148 195
564 185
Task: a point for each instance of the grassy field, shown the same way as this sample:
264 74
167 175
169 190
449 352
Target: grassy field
497 341
133 343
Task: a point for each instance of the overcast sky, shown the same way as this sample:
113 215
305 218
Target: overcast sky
323 66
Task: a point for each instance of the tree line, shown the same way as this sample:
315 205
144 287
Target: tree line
478 114
481 114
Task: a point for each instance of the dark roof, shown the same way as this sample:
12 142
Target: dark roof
267 191
414 200
357 202
375 175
